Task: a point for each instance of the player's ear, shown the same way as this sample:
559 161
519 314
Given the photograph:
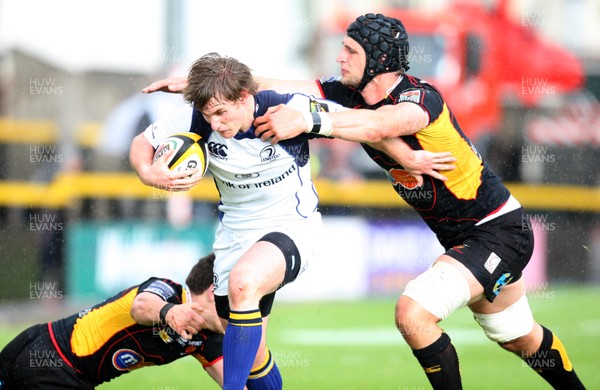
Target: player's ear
245 94
210 293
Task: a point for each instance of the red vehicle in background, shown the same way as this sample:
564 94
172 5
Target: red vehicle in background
480 59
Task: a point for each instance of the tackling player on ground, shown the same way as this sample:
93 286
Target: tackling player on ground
153 323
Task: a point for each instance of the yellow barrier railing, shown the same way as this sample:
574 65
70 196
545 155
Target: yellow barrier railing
44 132
69 187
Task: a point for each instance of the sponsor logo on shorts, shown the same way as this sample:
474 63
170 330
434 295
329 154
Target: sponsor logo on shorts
501 282
492 262
126 359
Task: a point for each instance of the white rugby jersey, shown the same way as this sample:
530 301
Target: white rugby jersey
259 184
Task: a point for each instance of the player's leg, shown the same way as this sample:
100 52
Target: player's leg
428 299
11 371
30 361
271 262
265 374
509 322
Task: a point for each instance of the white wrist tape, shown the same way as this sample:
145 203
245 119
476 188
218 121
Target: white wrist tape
319 123
309 120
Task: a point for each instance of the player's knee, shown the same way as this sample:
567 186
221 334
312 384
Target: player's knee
509 327
411 316
402 312
516 345
242 286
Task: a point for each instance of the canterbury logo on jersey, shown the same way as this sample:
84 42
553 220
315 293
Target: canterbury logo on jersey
217 150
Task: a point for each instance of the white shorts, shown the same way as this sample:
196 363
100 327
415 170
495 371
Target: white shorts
231 244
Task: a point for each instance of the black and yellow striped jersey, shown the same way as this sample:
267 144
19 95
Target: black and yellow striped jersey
104 342
472 190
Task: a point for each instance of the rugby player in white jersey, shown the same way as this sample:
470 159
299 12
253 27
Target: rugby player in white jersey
268 209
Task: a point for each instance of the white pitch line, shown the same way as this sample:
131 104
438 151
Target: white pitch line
375 337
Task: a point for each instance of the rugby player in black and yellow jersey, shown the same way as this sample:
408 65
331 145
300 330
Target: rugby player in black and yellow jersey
485 231
153 323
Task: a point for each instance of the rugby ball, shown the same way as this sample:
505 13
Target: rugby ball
190 152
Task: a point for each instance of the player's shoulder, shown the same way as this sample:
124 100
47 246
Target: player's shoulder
415 90
268 98
412 83
332 88
178 120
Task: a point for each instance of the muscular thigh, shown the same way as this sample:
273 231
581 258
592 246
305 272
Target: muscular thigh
232 246
262 265
506 298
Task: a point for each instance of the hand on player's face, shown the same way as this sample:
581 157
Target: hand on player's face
160 176
279 123
185 319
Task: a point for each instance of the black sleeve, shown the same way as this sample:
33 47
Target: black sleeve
332 89
428 99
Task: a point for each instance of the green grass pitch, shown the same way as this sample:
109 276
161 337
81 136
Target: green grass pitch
354 345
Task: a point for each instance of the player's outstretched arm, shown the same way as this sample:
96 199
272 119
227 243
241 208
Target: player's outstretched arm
141 154
417 162
170 84
360 125
306 87
380 128
177 84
